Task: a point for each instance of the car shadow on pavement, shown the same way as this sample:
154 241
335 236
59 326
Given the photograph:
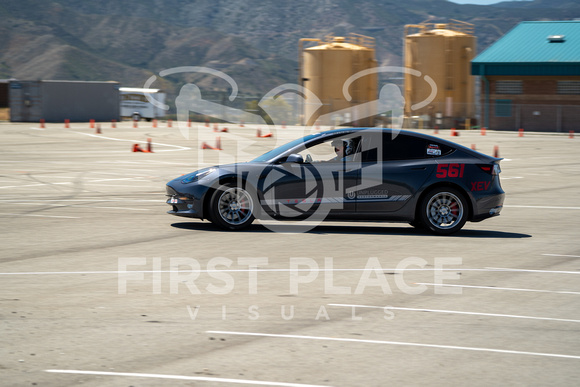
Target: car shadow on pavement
353 229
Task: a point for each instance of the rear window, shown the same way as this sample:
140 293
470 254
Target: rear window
402 147
405 147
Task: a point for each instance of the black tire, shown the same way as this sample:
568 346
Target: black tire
443 211
232 207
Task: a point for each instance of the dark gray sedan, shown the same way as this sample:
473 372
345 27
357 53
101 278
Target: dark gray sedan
369 174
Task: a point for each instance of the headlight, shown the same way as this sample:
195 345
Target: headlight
197 175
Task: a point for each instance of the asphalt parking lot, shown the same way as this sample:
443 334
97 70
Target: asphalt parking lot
100 287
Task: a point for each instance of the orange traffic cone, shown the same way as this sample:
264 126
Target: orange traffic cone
454 132
521 132
259 134
496 151
483 129
67 123
137 148
224 130
571 134
218 146
98 130
113 124
473 147
149 146
42 122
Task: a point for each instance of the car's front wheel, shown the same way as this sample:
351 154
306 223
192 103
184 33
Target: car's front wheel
232 207
443 211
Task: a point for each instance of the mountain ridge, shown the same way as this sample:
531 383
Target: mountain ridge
256 43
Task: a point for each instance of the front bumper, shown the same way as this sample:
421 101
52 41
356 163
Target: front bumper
183 204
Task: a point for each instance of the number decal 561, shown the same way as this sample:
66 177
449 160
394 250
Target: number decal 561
449 170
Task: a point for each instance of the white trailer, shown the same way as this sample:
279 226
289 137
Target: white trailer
135 105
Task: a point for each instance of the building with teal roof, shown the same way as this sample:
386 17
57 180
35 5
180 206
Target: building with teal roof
530 78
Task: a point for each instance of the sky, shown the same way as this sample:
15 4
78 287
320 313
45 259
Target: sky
479 2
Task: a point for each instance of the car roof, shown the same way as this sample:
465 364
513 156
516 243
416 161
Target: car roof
425 136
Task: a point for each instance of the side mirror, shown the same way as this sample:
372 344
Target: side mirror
294 158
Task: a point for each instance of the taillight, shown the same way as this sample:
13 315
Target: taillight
492 169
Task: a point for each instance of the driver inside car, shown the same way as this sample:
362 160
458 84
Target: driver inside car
344 149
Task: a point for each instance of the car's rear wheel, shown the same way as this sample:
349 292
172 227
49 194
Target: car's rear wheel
443 211
232 207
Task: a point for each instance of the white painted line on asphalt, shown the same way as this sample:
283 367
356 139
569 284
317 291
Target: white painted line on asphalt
37 185
321 270
40 216
543 207
75 182
20 201
457 312
118 185
533 271
117 179
211 271
116 208
123 174
79 206
181 377
396 343
562 255
179 148
498 288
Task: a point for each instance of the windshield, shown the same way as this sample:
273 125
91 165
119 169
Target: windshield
274 153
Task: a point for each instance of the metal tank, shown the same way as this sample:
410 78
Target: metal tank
325 68
442 52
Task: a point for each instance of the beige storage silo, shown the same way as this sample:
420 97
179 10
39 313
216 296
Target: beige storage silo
442 52
324 70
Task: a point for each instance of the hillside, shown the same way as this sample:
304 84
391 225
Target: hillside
254 42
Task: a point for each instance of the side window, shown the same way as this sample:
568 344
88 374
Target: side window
403 147
337 149
371 147
379 147
434 149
